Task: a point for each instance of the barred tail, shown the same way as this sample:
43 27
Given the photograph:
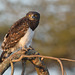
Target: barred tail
4 55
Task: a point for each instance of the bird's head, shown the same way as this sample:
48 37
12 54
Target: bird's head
32 15
33 19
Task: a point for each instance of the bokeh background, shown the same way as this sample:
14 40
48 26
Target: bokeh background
55 35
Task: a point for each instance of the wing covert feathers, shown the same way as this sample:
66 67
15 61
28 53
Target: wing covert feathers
16 32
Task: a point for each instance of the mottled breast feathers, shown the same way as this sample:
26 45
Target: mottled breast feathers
15 33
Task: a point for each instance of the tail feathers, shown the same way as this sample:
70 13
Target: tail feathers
3 45
0 60
4 55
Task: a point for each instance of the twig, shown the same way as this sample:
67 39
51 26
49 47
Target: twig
23 66
23 56
12 68
40 67
65 72
30 55
64 59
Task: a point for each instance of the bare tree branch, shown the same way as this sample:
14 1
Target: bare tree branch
37 62
34 57
57 59
12 68
23 66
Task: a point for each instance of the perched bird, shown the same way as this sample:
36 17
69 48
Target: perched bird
20 34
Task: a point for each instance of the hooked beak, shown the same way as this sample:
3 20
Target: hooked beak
33 17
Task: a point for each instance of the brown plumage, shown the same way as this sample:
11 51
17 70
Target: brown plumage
15 33
19 30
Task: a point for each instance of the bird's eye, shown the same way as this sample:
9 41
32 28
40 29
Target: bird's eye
35 15
29 15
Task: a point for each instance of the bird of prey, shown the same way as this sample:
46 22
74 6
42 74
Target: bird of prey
21 33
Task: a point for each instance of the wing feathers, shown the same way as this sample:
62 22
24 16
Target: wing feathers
16 32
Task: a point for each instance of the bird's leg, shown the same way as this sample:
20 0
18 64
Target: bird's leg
31 48
27 48
23 66
24 48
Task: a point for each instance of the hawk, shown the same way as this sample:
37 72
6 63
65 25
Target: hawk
21 33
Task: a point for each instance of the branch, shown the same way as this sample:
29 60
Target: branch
34 58
64 59
53 58
57 59
37 62
6 63
12 70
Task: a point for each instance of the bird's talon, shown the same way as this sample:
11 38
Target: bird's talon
30 48
23 49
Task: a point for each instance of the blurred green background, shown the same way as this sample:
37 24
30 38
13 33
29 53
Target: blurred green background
55 35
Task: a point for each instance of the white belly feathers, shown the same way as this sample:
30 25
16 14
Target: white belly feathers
26 39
